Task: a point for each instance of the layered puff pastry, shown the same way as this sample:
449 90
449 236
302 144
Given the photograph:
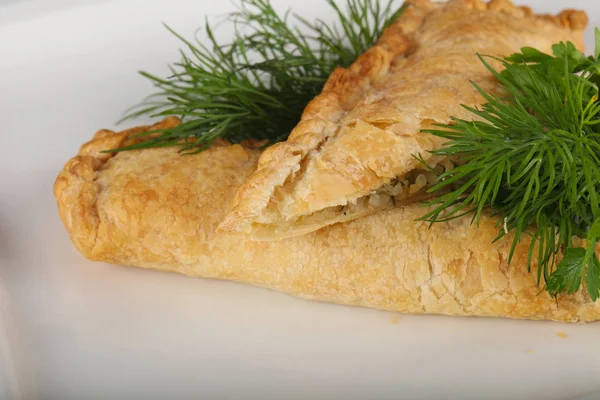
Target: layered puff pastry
352 154
158 209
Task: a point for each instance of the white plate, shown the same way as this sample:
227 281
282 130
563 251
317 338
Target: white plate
73 329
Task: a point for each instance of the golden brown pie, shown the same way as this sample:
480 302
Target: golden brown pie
157 209
352 153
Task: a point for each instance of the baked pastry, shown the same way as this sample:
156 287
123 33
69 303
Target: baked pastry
157 209
352 153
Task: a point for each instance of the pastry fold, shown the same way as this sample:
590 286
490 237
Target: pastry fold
352 154
158 209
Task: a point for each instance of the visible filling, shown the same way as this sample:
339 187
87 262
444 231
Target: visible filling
410 188
406 190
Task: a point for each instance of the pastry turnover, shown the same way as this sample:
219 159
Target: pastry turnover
352 153
157 209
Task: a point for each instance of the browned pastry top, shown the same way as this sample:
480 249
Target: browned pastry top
362 131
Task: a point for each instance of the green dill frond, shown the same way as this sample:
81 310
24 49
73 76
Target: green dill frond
258 85
533 158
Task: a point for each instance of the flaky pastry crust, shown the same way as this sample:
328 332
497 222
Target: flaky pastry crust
362 131
157 209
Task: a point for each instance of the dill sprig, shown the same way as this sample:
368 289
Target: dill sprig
257 85
532 156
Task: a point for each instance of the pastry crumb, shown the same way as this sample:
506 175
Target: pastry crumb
528 351
395 320
562 335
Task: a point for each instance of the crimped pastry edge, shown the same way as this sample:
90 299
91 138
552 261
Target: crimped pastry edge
77 180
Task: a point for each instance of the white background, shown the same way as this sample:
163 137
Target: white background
73 329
